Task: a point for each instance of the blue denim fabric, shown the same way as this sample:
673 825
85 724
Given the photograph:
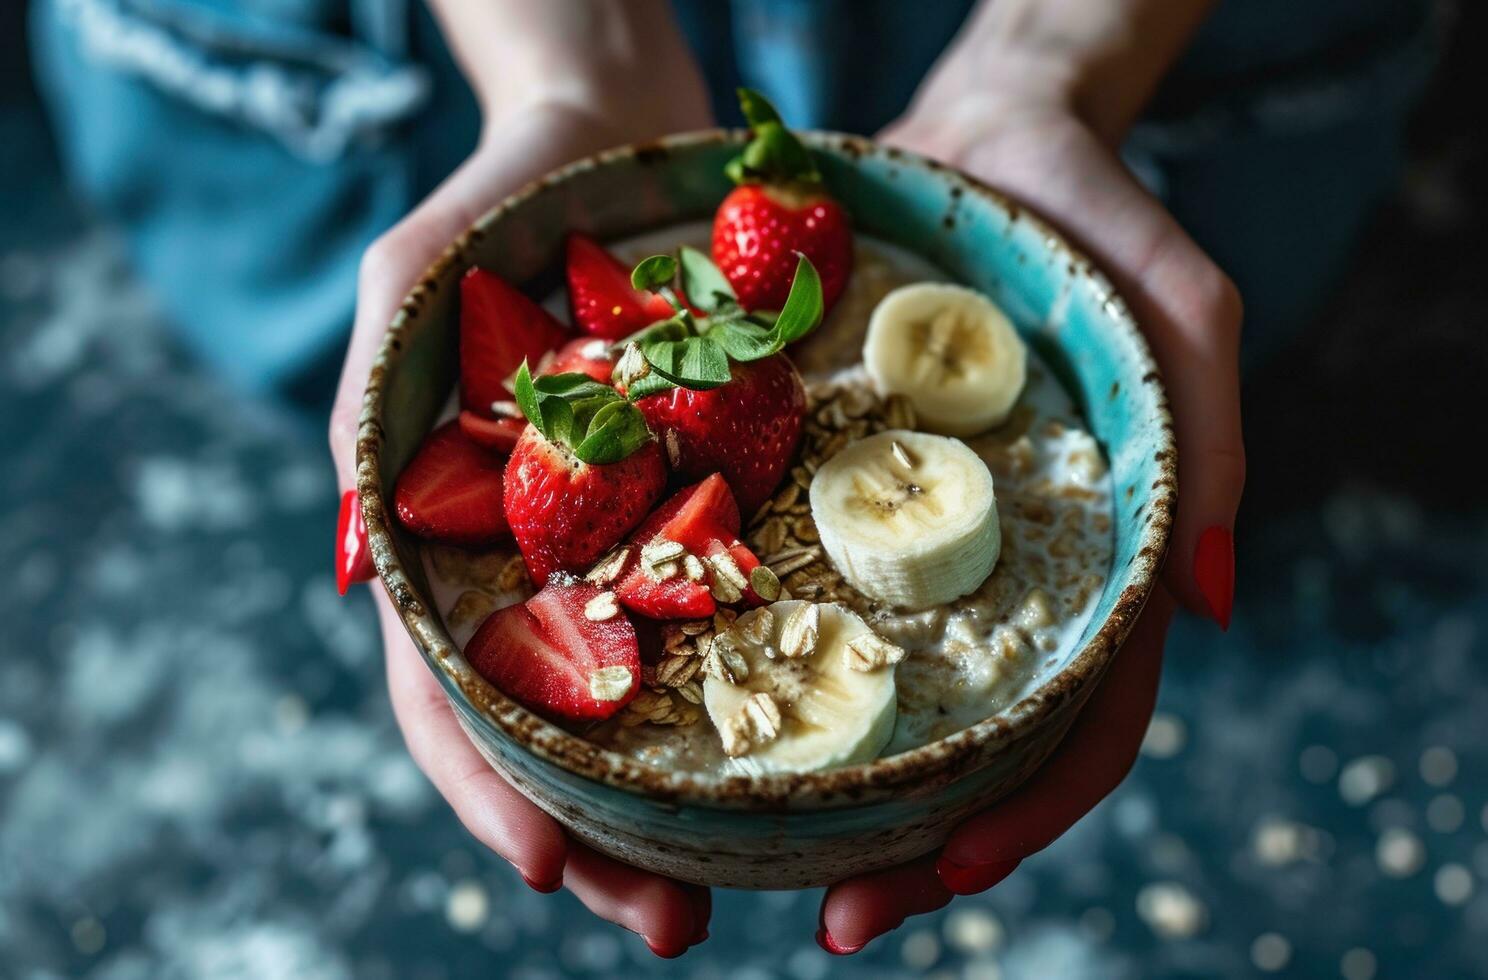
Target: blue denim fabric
251 149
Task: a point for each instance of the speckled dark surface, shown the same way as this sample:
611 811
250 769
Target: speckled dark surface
199 776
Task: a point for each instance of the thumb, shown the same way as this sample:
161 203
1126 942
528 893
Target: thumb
389 269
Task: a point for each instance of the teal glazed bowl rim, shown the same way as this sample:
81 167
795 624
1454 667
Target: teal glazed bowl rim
917 771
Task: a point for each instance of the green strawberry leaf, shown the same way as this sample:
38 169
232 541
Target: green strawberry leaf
706 286
743 339
803 307
693 362
583 414
654 272
614 432
649 385
570 385
677 356
527 398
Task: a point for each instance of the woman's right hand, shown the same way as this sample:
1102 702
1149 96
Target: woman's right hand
620 95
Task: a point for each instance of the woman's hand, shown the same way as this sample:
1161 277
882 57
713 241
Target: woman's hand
1036 107
639 84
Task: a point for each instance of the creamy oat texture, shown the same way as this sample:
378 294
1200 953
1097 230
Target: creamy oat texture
967 660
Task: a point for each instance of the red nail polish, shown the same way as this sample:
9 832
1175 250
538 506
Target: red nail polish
825 941
665 952
1214 572
970 879
547 888
353 557
702 911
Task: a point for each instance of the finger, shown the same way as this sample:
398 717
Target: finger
1192 313
389 268
1091 761
670 915
859 909
490 808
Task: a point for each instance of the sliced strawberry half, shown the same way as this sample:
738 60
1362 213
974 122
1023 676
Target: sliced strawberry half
555 658
600 293
452 489
499 328
500 434
703 519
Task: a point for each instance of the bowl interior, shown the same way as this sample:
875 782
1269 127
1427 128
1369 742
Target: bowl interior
1066 310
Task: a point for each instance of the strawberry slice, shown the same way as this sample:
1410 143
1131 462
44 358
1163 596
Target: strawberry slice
586 355
554 658
603 300
499 328
500 434
704 519
451 491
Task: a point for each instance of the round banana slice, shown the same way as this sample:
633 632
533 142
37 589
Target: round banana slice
908 518
951 352
798 686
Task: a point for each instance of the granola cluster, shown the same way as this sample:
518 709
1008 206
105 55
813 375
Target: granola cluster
672 689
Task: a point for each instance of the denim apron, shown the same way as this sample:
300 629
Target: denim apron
251 149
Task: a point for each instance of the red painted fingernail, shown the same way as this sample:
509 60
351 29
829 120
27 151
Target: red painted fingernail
1214 571
547 888
665 952
825 941
353 557
970 879
702 911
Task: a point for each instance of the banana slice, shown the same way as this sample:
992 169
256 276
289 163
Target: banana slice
908 518
951 352
797 686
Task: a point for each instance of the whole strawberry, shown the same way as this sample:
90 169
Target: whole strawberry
583 474
747 430
779 210
716 390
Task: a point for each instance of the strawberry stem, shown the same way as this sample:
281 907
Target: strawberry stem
773 155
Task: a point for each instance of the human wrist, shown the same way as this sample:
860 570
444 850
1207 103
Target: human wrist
1097 60
620 61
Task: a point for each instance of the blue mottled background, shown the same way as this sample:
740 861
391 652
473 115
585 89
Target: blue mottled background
200 777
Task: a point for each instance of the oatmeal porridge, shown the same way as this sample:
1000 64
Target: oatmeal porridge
964 659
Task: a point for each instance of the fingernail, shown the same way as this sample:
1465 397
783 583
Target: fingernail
1214 571
353 558
702 911
825 941
547 888
665 952
963 879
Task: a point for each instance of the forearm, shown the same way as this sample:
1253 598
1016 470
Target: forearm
1101 59
594 55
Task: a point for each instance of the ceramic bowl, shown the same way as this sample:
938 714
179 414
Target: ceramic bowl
789 830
